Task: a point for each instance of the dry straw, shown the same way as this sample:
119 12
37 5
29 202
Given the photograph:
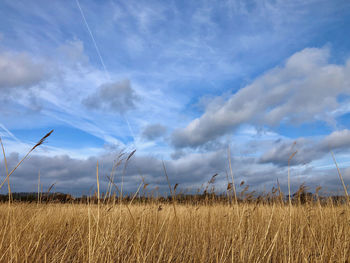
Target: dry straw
156 229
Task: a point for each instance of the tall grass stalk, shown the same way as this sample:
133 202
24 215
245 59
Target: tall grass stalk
7 171
290 209
341 179
40 142
231 172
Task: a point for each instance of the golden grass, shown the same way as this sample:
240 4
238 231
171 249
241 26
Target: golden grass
207 233
152 230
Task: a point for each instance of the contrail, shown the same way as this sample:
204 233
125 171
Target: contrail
131 131
11 135
93 40
103 64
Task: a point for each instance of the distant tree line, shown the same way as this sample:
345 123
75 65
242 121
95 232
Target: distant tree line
34 197
302 196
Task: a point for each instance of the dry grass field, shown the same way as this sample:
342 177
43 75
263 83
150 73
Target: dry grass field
204 228
157 233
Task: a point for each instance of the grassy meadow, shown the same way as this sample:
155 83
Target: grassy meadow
158 232
206 227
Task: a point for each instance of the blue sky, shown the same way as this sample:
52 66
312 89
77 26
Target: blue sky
178 81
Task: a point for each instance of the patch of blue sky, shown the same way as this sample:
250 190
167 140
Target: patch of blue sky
344 120
310 129
343 98
77 137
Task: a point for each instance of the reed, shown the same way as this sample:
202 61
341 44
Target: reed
205 233
206 227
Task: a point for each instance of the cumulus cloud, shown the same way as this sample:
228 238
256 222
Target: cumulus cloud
20 70
69 174
308 149
116 96
280 153
21 77
154 131
336 140
306 88
77 176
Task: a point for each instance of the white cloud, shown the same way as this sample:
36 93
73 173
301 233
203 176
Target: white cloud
336 140
304 89
20 70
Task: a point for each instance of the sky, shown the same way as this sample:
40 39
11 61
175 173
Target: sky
180 82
